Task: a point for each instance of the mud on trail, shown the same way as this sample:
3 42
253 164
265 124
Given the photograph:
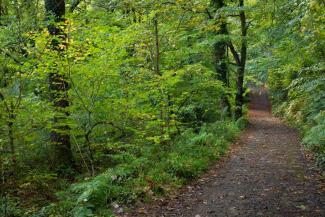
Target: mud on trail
265 174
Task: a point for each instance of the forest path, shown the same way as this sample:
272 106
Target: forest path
266 174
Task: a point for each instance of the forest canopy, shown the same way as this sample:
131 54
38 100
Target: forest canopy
115 101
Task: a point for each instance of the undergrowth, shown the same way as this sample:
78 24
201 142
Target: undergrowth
142 174
304 108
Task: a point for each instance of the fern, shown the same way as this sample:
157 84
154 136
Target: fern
315 138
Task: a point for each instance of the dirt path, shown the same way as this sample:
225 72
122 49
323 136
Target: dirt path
266 175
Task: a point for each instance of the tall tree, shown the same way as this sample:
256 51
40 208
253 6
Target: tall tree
240 59
58 87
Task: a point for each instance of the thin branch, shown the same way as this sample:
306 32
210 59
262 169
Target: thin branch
12 57
74 5
82 156
209 14
101 123
234 53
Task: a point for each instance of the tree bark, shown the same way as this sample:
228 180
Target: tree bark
242 65
157 51
10 125
59 87
240 62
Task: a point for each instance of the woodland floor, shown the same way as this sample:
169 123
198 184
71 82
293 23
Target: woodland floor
266 173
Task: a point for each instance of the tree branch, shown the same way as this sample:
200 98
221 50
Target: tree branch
101 123
209 14
10 56
74 5
234 53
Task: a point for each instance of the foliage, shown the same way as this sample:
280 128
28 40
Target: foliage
139 102
145 178
315 138
130 89
291 60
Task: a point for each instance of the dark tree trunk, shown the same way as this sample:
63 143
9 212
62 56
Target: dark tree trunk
10 125
240 62
220 53
242 65
240 92
58 87
220 49
157 51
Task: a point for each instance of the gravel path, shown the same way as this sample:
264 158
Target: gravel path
266 174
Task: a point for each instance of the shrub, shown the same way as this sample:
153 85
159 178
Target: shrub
315 138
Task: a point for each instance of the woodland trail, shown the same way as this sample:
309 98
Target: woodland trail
266 174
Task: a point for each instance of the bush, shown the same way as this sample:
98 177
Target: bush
9 206
315 138
136 177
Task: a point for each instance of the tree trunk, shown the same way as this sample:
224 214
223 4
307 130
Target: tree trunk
220 47
10 125
58 87
239 93
242 65
157 52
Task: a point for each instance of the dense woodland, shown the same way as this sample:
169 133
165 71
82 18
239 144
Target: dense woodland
115 101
